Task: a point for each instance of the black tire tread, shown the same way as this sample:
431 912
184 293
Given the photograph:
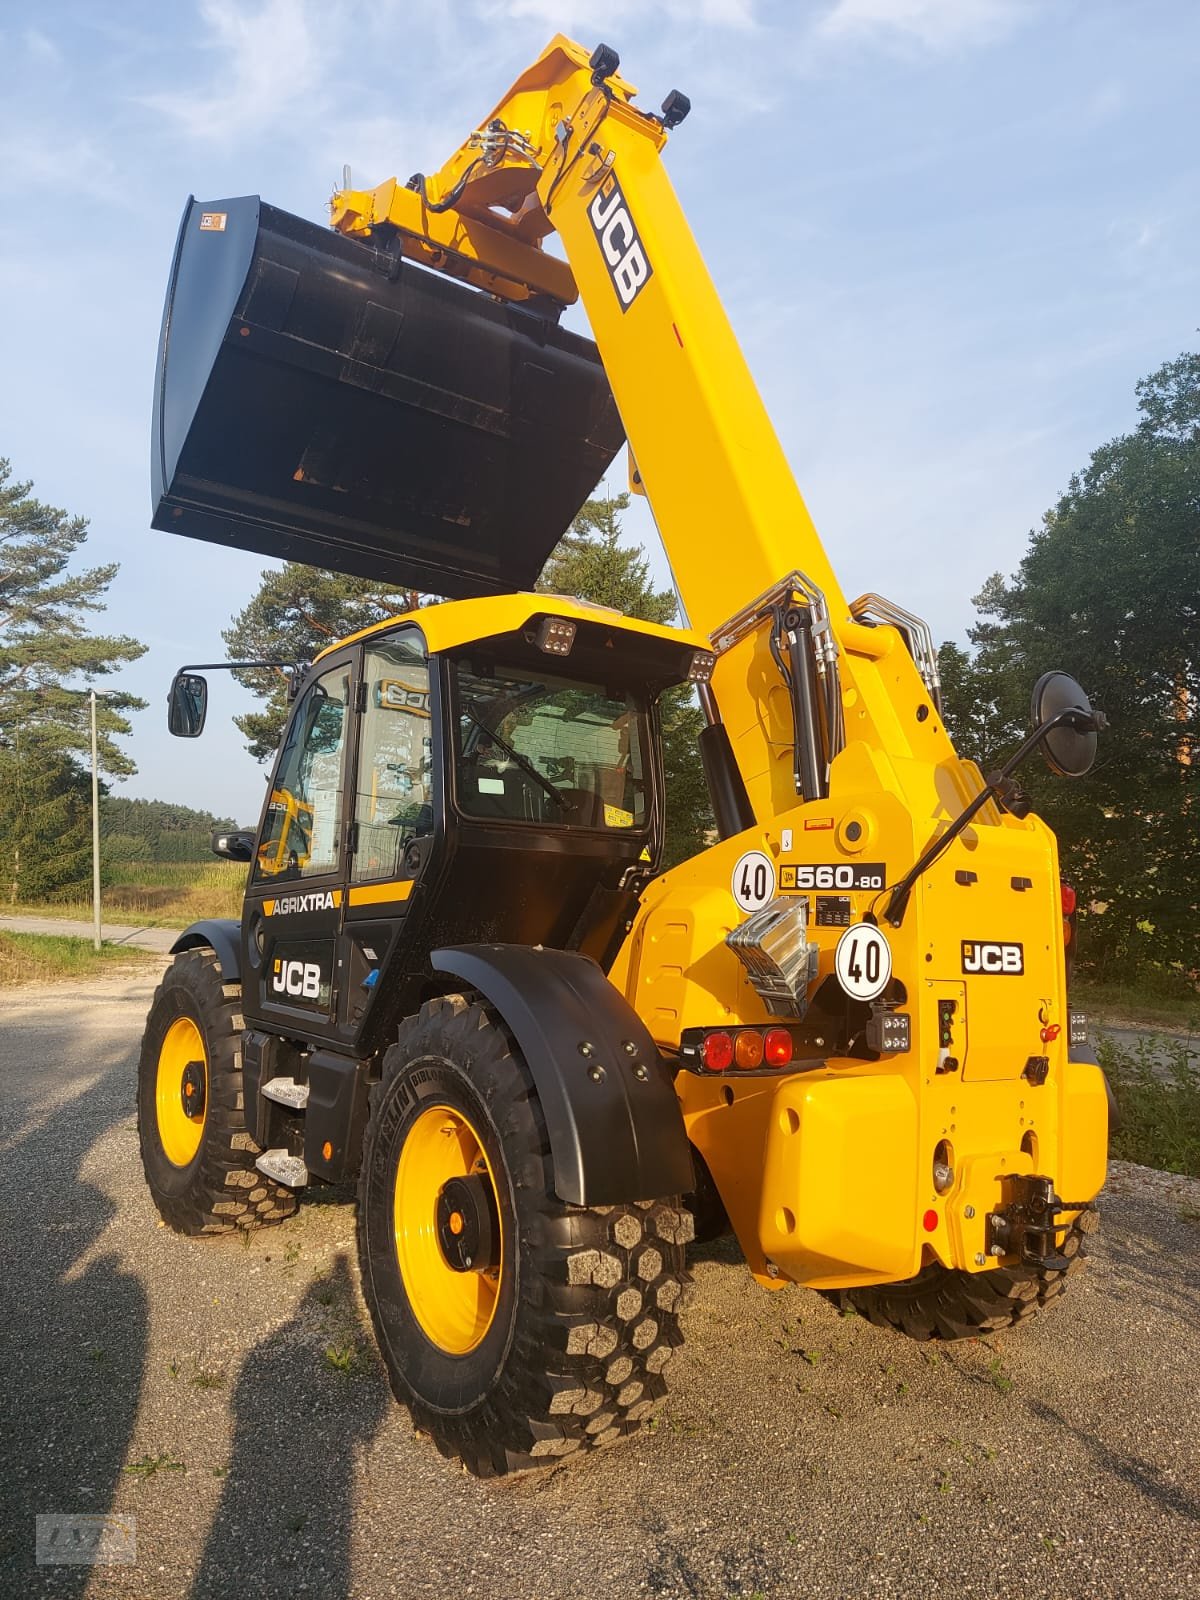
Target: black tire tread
945 1303
602 1286
225 1191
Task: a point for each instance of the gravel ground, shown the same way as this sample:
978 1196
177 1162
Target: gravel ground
800 1453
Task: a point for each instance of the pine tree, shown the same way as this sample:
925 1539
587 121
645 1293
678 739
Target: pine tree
45 646
45 650
297 612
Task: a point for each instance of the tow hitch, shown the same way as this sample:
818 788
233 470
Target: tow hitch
1028 1224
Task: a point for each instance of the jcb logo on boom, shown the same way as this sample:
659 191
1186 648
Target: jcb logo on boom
980 955
299 978
628 265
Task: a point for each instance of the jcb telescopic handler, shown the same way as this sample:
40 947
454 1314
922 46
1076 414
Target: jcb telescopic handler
842 1030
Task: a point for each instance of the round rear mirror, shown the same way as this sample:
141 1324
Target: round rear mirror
1070 748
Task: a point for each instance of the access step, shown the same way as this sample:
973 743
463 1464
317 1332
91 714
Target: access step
284 1168
287 1092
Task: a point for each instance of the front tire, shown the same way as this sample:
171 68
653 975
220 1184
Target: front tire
944 1303
196 1152
517 1329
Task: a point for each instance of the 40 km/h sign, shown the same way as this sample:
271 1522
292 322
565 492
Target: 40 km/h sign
863 962
753 881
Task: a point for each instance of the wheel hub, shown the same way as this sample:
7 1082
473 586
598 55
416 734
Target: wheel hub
191 1089
467 1226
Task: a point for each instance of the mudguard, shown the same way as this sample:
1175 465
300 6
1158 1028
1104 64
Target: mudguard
616 1129
1084 1050
222 934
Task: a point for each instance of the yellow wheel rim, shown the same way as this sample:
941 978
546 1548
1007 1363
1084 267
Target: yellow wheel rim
181 1129
454 1308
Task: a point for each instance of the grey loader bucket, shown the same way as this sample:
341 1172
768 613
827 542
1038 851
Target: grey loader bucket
319 401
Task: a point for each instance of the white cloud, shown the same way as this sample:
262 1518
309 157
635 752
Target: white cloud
936 25
269 60
43 156
41 47
563 16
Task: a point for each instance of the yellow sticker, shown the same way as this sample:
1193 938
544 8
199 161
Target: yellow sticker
213 221
614 817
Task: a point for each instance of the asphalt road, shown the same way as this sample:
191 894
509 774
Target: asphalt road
199 1387
157 939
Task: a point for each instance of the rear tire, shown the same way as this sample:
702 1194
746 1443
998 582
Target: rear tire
556 1338
200 1164
944 1303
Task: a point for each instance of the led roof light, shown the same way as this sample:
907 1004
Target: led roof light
555 636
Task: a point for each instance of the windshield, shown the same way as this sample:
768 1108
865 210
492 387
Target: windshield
533 748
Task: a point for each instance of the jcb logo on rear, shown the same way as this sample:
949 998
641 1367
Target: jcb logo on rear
980 955
624 256
301 979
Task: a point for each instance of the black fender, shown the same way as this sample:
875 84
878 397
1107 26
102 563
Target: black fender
1084 1050
616 1129
222 934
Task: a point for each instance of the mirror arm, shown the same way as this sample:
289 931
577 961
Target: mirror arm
240 666
992 788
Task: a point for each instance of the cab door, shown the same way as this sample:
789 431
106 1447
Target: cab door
394 831
293 907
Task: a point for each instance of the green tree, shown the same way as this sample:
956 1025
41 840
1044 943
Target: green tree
156 830
45 645
45 652
1109 589
45 825
591 561
297 612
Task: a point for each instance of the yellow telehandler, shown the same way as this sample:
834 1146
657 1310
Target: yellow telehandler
842 1030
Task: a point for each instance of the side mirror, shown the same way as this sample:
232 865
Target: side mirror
187 705
234 846
1069 743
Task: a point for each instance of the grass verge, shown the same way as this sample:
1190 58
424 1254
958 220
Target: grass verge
36 957
1158 1096
156 894
1158 1005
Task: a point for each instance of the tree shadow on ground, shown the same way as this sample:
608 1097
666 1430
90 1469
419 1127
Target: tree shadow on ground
72 1342
308 1398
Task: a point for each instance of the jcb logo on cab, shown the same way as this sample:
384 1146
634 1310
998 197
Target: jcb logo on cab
299 978
980 955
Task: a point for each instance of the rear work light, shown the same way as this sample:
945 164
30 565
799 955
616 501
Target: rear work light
744 1050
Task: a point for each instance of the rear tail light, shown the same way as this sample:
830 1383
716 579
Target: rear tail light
777 1047
757 1048
717 1051
1069 899
748 1048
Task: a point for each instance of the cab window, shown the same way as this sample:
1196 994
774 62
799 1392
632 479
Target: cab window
394 797
302 834
548 750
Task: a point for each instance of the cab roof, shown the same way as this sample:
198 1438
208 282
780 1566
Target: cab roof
450 624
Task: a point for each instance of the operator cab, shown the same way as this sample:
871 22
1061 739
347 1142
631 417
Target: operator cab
478 771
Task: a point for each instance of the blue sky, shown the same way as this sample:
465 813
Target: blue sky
951 235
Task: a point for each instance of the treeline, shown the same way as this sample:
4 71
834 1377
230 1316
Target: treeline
156 830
